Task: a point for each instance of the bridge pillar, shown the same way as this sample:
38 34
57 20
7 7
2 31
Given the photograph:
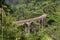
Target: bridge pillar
42 22
27 29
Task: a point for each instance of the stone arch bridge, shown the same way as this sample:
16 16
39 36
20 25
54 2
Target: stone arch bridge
40 19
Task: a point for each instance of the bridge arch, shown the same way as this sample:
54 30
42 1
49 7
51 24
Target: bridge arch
28 22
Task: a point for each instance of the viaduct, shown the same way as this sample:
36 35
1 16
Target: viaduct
40 19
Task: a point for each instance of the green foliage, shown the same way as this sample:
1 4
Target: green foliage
24 9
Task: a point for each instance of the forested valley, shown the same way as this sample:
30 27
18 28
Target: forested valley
12 11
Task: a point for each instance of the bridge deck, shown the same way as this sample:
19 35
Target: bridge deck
32 19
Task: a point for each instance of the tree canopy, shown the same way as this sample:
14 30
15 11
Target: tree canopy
15 10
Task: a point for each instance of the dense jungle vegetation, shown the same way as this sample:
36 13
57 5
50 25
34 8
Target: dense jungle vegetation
15 10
